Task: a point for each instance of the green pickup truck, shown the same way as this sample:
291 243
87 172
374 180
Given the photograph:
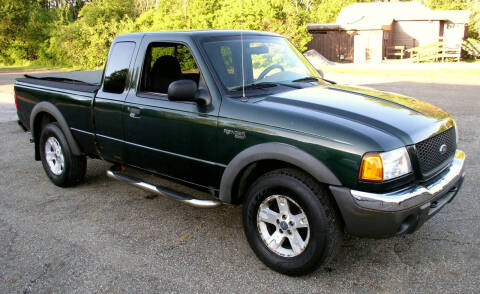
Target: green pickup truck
244 116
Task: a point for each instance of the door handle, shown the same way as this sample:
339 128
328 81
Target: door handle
134 112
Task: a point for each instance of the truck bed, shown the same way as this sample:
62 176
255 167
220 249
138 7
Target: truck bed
82 81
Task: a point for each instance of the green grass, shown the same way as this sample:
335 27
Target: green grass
27 66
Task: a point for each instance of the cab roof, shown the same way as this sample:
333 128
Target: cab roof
197 33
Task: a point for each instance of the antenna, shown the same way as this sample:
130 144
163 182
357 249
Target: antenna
244 98
243 69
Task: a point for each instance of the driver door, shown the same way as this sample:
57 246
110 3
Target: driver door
175 139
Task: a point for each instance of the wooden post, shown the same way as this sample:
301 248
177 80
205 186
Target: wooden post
443 51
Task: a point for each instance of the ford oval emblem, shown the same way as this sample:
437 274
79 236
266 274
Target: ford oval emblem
443 149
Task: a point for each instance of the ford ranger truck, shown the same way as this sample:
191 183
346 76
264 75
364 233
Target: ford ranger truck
244 116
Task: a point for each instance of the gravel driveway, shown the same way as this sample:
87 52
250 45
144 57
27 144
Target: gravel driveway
105 236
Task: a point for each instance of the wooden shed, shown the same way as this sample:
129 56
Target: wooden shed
381 30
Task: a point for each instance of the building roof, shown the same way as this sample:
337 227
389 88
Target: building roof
371 16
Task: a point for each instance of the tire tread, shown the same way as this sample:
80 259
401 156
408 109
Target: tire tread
77 165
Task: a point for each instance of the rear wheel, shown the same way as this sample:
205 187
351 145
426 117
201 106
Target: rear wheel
62 167
290 222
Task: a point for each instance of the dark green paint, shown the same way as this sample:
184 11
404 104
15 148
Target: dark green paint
335 124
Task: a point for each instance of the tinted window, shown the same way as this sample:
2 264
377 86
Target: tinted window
227 59
165 63
266 59
117 67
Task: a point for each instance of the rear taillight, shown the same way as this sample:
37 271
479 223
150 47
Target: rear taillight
16 98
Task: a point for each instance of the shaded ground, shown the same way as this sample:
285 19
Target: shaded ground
105 236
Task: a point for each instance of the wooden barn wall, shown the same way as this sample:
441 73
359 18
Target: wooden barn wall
333 44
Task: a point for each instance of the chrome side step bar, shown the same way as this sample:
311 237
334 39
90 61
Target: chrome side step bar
164 191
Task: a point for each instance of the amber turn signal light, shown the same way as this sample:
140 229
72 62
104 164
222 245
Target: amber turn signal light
371 168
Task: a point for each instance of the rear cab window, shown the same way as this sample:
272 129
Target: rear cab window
116 71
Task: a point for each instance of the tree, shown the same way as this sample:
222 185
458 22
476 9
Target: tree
23 29
85 42
78 32
474 25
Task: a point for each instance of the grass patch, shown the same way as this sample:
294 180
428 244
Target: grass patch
29 66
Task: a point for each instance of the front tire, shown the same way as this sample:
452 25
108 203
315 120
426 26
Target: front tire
62 167
291 222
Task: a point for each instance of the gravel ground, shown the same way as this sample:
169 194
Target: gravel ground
105 236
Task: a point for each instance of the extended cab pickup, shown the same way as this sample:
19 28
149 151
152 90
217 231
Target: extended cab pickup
244 116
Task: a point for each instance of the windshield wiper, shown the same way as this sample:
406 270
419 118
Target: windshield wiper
306 79
312 79
255 86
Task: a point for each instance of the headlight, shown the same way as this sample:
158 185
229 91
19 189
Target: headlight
379 167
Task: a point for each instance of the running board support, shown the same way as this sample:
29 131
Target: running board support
163 191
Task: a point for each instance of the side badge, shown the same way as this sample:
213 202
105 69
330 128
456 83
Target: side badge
237 134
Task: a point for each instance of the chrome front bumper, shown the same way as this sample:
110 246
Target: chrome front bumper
414 195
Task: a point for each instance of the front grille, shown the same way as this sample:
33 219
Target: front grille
428 151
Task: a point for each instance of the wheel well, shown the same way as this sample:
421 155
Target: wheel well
41 120
250 173
253 171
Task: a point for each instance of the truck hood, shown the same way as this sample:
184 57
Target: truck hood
409 119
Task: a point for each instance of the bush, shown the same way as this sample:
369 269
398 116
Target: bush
85 42
77 33
24 26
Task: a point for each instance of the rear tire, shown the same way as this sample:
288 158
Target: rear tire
62 167
291 223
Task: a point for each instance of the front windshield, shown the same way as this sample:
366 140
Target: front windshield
266 60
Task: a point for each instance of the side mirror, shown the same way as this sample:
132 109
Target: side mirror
182 90
187 90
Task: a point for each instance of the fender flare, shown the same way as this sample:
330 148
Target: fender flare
274 151
53 111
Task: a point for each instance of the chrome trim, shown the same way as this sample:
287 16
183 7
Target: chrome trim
413 195
164 191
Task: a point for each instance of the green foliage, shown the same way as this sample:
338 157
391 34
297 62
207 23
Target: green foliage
448 4
327 10
472 5
77 33
85 42
474 24
23 29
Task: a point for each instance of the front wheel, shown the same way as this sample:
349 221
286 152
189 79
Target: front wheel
290 222
62 167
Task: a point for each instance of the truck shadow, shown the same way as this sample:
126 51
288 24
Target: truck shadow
168 228
174 240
